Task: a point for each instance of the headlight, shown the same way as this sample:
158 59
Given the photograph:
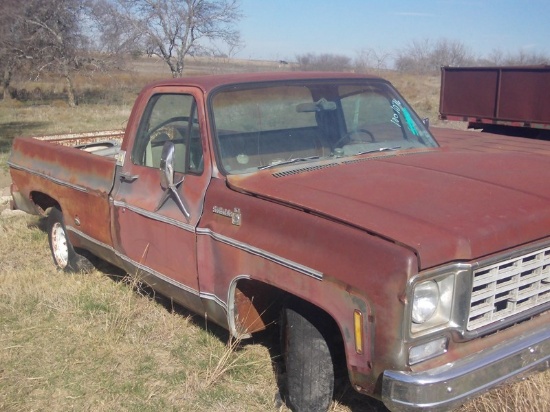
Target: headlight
425 301
432 302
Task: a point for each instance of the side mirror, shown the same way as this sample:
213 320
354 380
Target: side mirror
167 165
167 179
426 122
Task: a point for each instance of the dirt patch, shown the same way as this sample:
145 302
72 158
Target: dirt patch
5 203
5 181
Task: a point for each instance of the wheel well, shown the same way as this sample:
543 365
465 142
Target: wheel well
258 305
43 202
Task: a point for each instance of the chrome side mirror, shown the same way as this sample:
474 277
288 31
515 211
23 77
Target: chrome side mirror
167 165
167 179
426 122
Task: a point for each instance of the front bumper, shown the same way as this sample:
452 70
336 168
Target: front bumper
450 385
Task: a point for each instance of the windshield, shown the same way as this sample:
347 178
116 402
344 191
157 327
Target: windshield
261 126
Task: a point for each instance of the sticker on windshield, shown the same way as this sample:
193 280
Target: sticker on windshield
396 106
397 109
410 122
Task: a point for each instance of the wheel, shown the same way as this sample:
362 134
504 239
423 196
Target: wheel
63 253
308 360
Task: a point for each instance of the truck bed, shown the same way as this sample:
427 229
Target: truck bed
104 143
508 96
75 169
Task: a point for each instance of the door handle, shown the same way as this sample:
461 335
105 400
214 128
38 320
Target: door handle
128 177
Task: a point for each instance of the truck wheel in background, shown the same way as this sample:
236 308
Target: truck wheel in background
63 253
308 360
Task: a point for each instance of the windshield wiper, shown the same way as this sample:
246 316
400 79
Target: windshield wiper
287 162
381 149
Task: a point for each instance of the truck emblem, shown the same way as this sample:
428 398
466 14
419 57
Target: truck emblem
235 215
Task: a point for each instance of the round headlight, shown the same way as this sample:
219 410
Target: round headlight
425 301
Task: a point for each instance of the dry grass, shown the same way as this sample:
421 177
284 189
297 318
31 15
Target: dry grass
89 342
99 342
533 394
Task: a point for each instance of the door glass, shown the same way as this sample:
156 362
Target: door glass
169 117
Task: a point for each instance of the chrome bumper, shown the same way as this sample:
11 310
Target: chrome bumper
450 385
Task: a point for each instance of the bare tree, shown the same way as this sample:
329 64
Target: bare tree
424 56
525 58
363 60
450 53
175 29
323 62
368 59
113 34
521 58
415 57
12 42
53 38
495 58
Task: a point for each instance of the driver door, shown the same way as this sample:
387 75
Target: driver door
154 231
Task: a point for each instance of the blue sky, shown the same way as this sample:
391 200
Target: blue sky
281 29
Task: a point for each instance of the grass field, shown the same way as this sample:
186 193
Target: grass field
103 342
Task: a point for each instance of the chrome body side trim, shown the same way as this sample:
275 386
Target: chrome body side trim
47 177
155 216
132 262
262 253
212 297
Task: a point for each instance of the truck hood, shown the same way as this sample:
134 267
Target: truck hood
444 205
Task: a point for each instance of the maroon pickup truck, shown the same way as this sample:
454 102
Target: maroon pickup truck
322 204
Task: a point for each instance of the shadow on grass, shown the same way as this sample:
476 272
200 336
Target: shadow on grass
344 394
10 130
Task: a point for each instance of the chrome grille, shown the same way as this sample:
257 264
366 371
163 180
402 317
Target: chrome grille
507 288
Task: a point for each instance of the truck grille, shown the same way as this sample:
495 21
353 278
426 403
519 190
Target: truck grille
507 288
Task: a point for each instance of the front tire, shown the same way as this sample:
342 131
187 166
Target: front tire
308 360
63 253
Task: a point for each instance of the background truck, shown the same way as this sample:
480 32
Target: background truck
318 203
512 101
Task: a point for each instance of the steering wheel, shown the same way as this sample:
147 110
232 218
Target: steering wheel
167 121
351 136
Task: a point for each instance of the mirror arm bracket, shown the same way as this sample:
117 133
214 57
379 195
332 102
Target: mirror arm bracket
172 190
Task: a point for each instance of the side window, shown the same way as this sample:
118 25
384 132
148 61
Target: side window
169 117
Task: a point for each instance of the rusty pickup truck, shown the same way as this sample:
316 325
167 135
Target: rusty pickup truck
322 204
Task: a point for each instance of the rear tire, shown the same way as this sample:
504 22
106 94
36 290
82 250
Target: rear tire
308 360
63 253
